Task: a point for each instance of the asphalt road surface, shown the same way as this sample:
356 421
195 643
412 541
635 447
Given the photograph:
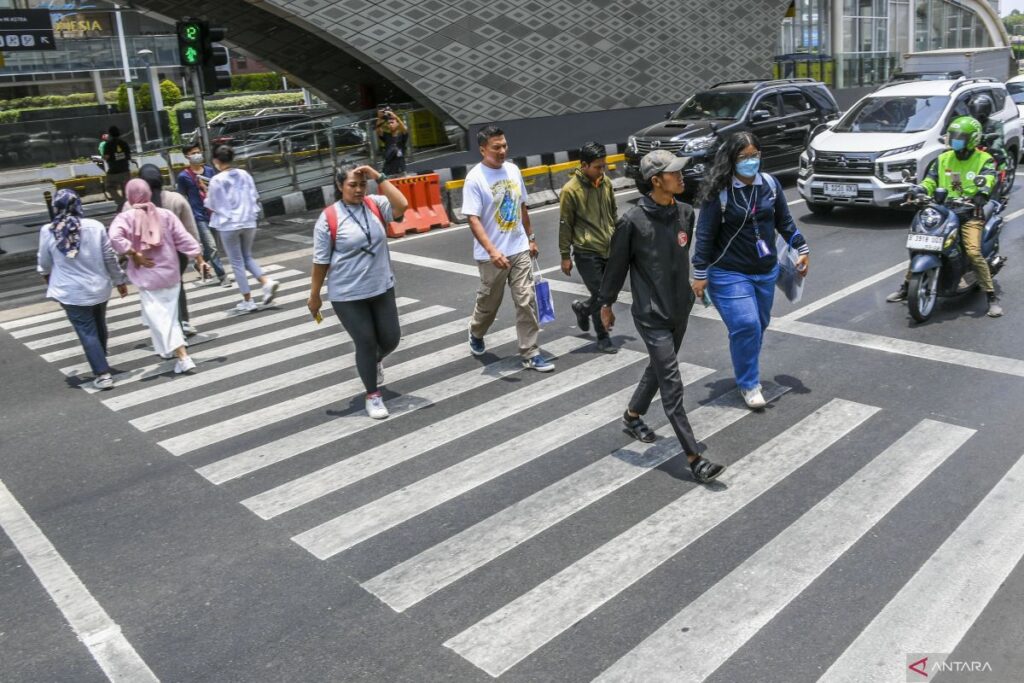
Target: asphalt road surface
249 523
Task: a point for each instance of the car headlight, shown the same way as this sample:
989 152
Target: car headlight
631 143
699 144
901 150
893 173
930 218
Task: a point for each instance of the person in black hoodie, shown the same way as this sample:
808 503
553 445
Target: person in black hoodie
652 243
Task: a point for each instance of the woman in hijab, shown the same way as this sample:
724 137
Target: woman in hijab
152 238
80 268
179 206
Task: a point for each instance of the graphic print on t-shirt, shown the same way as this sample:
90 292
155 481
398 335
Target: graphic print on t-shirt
506 204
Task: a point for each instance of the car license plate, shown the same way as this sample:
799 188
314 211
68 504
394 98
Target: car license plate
840 190
925 242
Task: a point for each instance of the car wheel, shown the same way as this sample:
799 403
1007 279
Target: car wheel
819 209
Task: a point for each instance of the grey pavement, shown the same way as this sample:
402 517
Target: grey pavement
500 524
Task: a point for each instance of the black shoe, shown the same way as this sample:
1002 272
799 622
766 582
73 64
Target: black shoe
899 295
582 316
604 345
637 428
705 471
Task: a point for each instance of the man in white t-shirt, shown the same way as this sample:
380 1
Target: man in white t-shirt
494 201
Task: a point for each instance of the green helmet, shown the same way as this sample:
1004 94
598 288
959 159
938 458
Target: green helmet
967 129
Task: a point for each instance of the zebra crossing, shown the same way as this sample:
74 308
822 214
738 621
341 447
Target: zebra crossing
266 417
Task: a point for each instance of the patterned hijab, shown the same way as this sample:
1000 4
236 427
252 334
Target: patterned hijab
67 222
143 215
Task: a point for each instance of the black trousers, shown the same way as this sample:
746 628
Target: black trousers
182 300
662 374
373 325
591 268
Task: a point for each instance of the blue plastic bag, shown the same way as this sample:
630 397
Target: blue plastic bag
542 292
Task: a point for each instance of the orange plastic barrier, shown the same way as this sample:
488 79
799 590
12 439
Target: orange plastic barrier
426 210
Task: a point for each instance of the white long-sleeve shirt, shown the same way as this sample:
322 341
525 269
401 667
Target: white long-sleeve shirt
87 279
233 200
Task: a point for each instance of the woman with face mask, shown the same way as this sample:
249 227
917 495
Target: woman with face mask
735 259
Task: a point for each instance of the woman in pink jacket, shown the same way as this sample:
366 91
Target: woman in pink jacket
152 238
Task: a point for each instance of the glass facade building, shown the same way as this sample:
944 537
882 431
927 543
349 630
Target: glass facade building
852 43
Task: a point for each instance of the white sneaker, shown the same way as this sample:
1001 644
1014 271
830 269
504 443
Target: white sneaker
104 381
183 366
244 306
753 398
188 329
375 407
380 373
269 290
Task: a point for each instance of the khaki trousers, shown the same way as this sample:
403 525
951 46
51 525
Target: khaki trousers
970 234
519 277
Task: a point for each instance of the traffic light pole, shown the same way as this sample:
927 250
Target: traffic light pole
204 132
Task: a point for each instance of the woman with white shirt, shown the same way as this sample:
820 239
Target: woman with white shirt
233 202
80 267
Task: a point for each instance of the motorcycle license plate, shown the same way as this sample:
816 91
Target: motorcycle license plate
840 189
925 242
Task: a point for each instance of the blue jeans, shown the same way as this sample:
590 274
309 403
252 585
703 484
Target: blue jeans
90 323
745 304
209 245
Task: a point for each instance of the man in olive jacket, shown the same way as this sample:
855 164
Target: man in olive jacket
586 224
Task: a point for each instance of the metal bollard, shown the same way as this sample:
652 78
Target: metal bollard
48 198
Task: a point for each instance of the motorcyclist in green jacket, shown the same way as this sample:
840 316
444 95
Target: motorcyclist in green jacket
956 171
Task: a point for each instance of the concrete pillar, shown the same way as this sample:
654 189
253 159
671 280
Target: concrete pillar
837 40
97 84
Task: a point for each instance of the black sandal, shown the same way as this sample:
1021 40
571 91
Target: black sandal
637 428
705 471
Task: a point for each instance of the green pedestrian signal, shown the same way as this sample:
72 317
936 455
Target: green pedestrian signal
191 56
190 42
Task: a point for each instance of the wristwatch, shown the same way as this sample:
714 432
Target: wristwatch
381 178
532 237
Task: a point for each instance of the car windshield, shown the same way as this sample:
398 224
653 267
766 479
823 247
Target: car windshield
911 114
713 105
1016 91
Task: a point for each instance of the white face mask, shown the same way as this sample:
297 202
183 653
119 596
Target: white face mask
195 159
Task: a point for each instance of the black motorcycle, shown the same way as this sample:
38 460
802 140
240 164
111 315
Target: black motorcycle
938 262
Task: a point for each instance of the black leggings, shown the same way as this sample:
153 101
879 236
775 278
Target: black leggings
373 325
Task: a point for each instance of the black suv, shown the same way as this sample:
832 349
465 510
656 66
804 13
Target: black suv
781 113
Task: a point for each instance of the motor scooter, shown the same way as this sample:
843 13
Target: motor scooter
939 266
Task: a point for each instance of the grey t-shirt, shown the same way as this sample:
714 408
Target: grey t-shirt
360 267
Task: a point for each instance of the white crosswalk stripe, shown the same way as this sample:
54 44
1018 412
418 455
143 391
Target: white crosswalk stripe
419 577
726 616
507 636
224 302
267 416
37 321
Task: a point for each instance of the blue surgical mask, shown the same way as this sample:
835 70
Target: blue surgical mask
958 145
748 168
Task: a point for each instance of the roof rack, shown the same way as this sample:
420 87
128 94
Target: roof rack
962 81
764 83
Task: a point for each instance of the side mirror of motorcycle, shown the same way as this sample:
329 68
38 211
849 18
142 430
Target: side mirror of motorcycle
942 140
980 181
941 194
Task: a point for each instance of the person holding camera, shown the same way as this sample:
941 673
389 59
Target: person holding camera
394 136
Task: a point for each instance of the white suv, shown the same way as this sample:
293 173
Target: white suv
859 160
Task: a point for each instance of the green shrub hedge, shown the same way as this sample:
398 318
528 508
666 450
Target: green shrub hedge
256 82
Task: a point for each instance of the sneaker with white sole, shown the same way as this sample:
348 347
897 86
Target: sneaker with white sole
753 398
269 291
183 365
375 407
104 381
188 329
476 345
538 363
244 306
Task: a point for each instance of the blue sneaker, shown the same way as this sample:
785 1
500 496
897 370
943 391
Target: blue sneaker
476 345
539 363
